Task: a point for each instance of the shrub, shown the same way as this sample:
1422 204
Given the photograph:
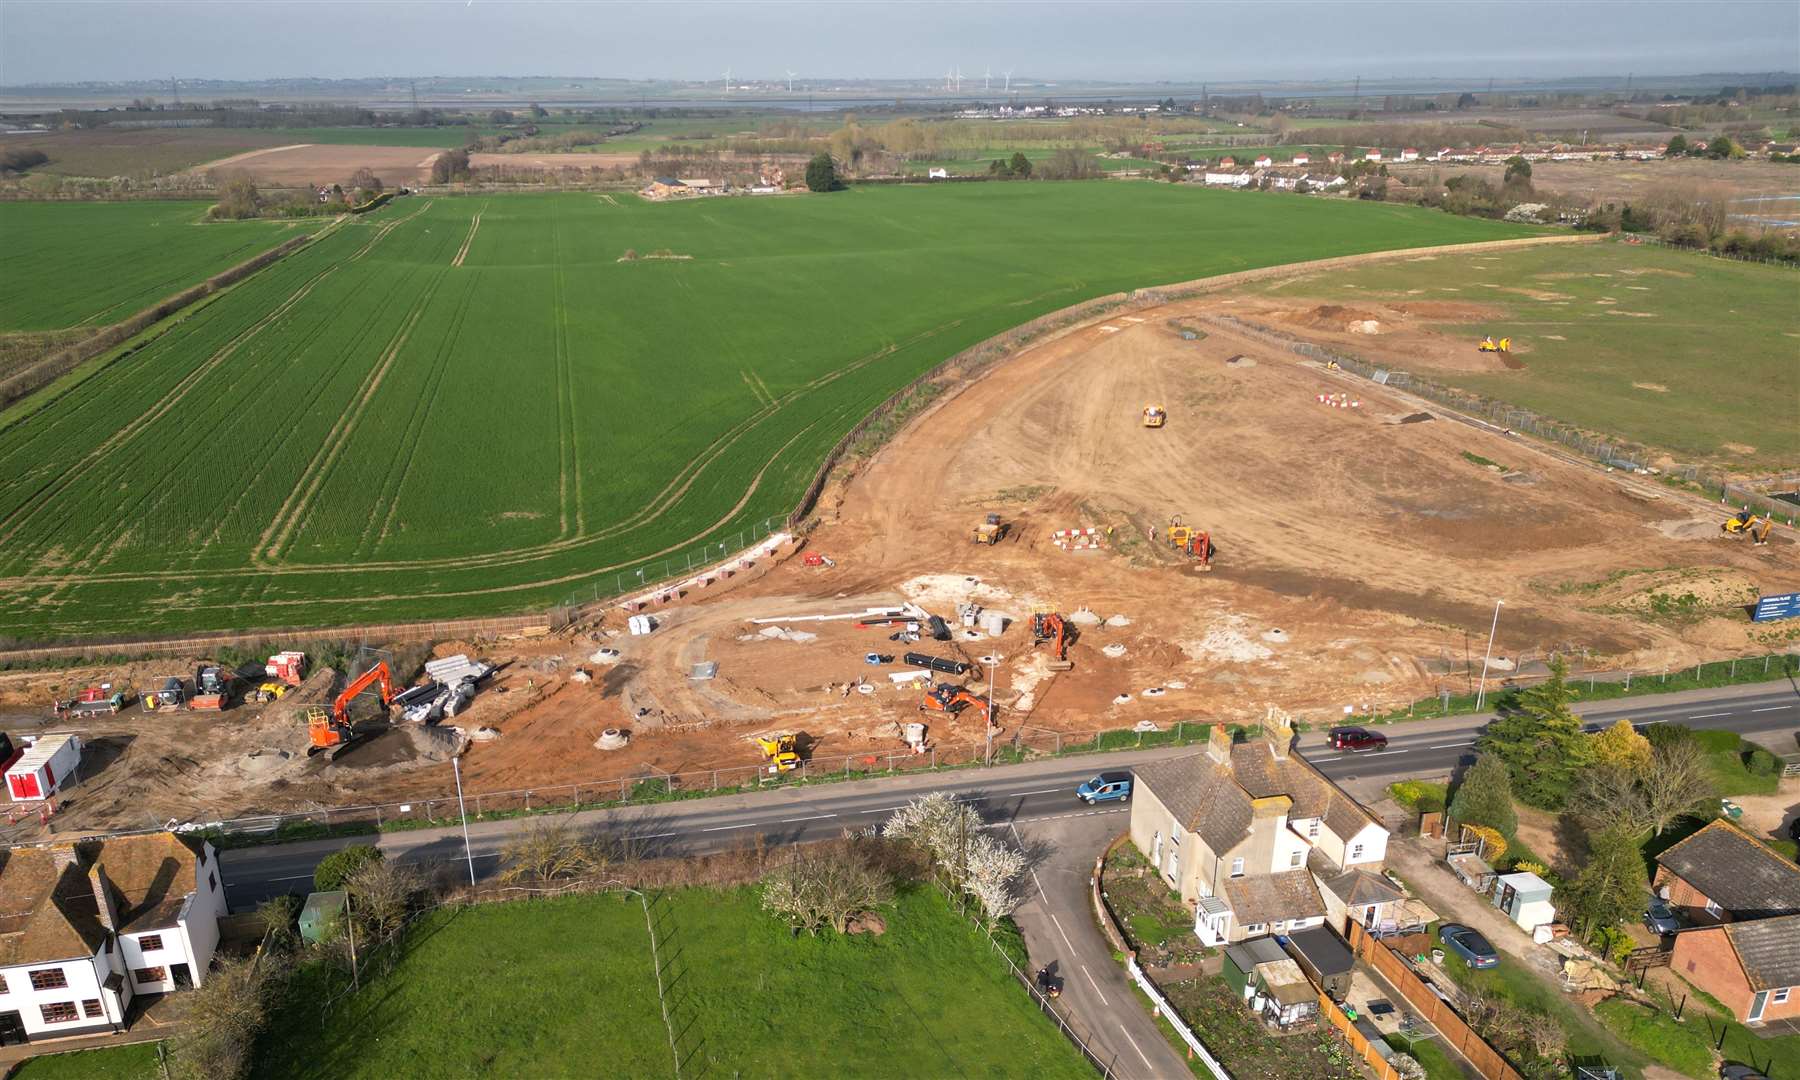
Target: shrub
335 869
1759 762
1420 795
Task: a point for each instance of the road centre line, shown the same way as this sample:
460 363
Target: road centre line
723 828
1134 1046
1773 708
1096 986
1707 715
1059 929
815 817
1448 745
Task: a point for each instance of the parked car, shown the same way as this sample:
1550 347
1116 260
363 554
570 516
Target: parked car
1467 942
1354 739
1660 918
1105 788
1740 1072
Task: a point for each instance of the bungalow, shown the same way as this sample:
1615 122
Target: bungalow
88 925
1227 163
1409 154
1722 874
1302 158
1263 161
1256 839
1371 155
1752 967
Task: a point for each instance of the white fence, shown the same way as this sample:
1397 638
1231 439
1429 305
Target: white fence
1167 1012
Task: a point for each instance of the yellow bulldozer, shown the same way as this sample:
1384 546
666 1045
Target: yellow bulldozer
781 749
1744 523
990 531
1488 344
1155 416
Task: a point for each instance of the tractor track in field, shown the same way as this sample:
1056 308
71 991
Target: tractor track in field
568 458
474 223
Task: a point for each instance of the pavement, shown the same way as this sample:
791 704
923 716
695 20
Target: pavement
1036 802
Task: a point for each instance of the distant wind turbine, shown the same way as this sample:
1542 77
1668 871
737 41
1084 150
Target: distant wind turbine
791 75
959 78
1009 72
728 80
986 77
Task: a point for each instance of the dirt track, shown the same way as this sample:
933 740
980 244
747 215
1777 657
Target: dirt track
312 163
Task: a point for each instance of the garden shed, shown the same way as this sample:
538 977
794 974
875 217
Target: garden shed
1325 959
1241 960
318 913
1525 898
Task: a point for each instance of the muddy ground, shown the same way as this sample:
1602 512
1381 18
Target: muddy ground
1360 549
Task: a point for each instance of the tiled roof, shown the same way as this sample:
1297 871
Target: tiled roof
47 906
1266 898
1735 871
1769 950
1359 888
1215 801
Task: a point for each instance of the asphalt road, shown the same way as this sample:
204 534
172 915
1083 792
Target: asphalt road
1035 803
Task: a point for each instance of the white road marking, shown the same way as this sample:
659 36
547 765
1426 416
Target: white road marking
1034 874
1707 715
815 817
722 828
1448 745
1096 986
1059 929
655 835
1773 708
1134 1046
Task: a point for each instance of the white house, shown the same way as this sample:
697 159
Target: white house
1256 839
1226 179
1409 154
1371 155
87 926
1302 159
1264 161
938 173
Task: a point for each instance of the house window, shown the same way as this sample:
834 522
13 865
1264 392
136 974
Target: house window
1312 829
49 979
1356 852
1237 867
150 942
1253 928
59 1013
150 975
1713 909
1780 996
91 1007
1294 860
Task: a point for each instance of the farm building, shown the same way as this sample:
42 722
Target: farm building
664 187
44 768
1225 179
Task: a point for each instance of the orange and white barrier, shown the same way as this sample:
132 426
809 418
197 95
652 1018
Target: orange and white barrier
1077 539
1338 401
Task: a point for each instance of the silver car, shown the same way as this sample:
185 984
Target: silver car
1660 918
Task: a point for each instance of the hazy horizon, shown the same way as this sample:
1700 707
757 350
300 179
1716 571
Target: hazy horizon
1132 41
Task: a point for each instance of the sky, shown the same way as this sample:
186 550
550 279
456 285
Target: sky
1126 40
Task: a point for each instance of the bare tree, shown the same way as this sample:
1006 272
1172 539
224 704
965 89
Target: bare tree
813 890
1544 1034
550 853
364 179
381 896
219 1020
1676 784
1615 794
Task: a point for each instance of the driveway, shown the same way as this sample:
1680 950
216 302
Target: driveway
1057 922
1424 871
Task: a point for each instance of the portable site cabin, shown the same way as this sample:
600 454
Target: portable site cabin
1324 957
1525 898
44 768
318 913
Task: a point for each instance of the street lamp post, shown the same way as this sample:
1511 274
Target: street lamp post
463 811
1481 694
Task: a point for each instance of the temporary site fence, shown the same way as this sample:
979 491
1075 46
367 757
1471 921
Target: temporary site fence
1503 417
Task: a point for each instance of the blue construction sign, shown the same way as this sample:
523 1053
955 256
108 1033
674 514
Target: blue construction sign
1779 606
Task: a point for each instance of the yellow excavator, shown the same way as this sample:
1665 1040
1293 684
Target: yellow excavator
1755 526
1155 416
781 748
1488 344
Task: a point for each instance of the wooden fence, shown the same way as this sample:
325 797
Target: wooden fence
1433 1009
1371 1057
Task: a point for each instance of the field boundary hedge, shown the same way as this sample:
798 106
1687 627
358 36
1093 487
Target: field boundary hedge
968 364
35 377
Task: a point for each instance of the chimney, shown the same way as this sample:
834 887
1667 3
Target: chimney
1278 729
1271 806
1218 745
103 904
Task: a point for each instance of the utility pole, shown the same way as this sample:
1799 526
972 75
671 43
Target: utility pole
463 811
1481 694
175 88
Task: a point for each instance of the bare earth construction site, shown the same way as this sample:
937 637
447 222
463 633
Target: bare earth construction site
1361 539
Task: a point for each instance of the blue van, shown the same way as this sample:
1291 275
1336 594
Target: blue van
1105 788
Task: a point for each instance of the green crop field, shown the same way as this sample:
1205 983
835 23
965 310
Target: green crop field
77 264
466 406
565 987
1667 348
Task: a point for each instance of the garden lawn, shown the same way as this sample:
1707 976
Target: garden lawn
1666 348
455 407
1431 1055
565 988
1682 1047
89 264
137 1061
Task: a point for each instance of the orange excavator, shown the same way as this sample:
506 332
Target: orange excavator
331 729
950 698
1053 628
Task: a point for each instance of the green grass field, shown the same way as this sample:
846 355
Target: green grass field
1665 348
76 264
137 1061
565 988
367 429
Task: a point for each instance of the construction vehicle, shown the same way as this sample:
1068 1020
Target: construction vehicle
951 698
1050 627
814 558
93 701
171 697
331 729
781 749
990 531
282 672
1155 416
1756 526
1488 344
1194 543
212 689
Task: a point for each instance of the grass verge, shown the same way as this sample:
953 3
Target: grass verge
137 1061
1679 1046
